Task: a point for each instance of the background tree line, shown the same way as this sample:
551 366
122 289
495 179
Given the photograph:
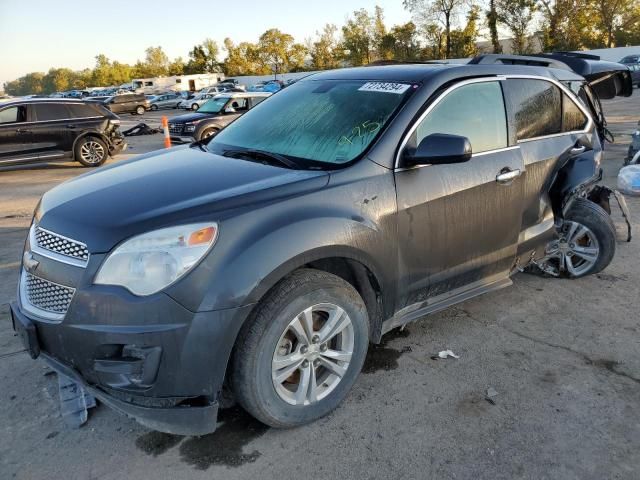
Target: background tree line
439 29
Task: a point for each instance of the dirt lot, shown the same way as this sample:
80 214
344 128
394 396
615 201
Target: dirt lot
563 356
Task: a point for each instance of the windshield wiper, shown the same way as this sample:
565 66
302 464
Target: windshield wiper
262 155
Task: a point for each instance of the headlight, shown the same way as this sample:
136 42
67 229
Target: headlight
152 261
189 127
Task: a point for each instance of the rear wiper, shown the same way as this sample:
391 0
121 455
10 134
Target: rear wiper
262 155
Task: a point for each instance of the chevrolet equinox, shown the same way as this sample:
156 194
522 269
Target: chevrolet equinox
266 258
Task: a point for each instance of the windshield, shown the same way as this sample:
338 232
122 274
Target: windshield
214 105
325 121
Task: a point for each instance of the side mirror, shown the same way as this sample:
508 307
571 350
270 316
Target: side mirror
439 148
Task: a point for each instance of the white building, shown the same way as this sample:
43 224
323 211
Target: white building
176 83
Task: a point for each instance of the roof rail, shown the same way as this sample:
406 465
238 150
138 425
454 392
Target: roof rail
586 56
493 58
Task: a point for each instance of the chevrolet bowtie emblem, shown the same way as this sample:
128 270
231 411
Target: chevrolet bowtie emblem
30 264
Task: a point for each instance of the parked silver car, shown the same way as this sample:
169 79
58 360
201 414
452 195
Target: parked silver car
169 100
196 102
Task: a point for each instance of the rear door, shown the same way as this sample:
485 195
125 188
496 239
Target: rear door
551 129
52 130
15 135
458 224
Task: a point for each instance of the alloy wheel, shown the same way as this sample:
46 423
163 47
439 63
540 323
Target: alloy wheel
577 249
92 152
313 354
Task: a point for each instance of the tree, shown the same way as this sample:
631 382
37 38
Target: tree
464 40
443 12
176 67
58 80
383 41
277 51
324 52
401 43
566 24
434 34
242 59
492 24
203 58
357 40
156 62
517 15
612 16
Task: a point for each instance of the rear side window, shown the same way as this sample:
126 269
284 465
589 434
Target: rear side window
475 111
13 114
80 110
538 107
51 111
573 119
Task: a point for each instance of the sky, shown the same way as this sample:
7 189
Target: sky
36 35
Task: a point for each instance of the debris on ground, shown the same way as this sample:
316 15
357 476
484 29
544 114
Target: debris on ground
491 392
140 129
74 402
444 354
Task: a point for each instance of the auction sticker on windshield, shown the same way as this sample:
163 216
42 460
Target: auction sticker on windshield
386 87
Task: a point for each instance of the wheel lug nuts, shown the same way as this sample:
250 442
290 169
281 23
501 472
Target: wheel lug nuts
315 339
305 363
323 347
316 363
304 349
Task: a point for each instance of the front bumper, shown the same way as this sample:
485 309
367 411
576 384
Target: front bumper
149 359
181 139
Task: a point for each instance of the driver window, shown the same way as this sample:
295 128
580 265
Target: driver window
475 111
13 115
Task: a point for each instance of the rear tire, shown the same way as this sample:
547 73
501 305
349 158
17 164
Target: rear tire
195 107
154 108
288 370
587 240
91 151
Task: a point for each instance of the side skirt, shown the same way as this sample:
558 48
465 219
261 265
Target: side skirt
446 300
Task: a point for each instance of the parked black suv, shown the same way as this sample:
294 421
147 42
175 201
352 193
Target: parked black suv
267 258
212 116
133 103
38 130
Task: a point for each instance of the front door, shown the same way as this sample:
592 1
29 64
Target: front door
458 224
15 135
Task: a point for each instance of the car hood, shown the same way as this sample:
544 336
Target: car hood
191 117
170 187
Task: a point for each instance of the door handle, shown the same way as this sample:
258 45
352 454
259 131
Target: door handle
71 126
577 150
507 176
22 130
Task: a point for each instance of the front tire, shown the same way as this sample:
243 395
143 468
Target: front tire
587 241
195 107
209 132
302 350
91 151
140 110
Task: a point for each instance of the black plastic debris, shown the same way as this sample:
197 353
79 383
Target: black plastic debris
140 129
74 402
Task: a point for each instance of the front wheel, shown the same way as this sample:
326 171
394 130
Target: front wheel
140 110
195 107
586 243
209 132
302 350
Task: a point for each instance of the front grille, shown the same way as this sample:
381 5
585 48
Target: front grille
61 245
47 296
175 128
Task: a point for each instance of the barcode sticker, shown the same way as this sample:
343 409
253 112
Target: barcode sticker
386 87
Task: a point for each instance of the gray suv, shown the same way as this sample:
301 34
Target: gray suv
262 262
